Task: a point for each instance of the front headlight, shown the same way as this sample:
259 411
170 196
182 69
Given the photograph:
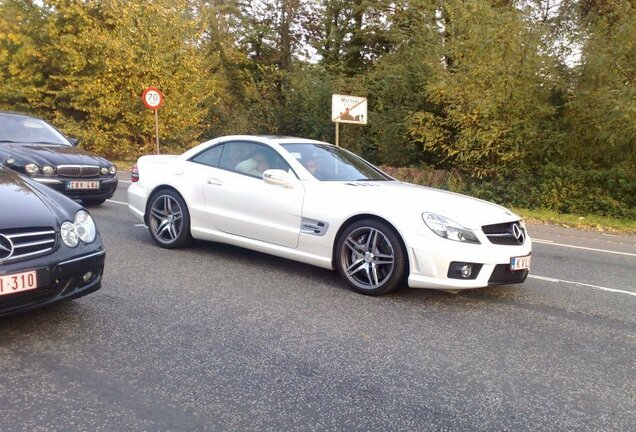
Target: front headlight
448 229
112 170
48 170
69 234
85 226
32 168
104 171
82 228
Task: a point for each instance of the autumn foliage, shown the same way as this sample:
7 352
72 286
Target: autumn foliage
526 102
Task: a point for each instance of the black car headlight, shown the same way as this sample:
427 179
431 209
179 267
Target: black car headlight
32 168
448 229
48 170
104 170
112 170
82 228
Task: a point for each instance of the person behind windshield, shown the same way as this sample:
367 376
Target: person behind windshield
255 165
311 166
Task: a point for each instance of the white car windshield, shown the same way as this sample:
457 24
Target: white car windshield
328 163
19 129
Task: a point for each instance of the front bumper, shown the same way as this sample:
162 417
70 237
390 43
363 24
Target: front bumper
107 187
58 281
430 259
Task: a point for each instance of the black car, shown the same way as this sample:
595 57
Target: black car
50 249
33 147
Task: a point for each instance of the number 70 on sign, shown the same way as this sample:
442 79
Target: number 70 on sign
152 98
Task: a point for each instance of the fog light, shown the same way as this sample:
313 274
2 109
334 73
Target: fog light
463 270
467 270
87 276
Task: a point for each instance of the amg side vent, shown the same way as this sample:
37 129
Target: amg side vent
313 227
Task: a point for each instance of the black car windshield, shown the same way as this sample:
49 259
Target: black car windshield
329 163
22 129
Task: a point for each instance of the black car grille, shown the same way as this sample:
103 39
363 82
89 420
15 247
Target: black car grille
508 234
502 275
26 243
78 170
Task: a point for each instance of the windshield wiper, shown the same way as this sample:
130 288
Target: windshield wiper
47 142
369 179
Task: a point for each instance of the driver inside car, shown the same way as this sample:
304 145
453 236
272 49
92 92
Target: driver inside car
255 165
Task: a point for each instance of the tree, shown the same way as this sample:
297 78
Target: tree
490 95
602 110
83 65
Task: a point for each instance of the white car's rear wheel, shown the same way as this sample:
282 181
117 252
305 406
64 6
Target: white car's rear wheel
169 220
370 257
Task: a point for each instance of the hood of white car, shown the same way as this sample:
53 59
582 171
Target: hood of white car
405 197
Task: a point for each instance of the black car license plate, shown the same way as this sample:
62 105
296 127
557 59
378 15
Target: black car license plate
83 185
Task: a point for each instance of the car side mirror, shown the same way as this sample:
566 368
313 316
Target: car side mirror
73 141
277 177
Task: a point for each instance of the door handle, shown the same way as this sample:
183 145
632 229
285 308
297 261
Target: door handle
214 181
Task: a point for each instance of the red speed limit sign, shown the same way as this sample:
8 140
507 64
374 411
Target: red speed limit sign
152 98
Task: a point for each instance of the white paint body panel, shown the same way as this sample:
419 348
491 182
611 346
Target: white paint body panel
247 212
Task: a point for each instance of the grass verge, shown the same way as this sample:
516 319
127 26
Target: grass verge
588 222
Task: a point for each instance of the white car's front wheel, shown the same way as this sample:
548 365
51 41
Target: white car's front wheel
169 220
370 257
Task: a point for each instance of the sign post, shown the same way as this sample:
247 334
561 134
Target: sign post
153 99
348 109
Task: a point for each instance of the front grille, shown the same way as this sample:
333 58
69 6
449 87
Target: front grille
502 275
28 243
508 234
78 170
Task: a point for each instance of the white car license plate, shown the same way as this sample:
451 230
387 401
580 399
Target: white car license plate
18 282
520 263
75 184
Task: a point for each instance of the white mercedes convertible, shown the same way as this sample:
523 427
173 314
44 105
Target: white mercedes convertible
320 204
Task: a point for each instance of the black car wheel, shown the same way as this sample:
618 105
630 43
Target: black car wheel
370 257
169 220
93 202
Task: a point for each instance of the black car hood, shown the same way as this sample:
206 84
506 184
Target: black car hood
27 204
43 154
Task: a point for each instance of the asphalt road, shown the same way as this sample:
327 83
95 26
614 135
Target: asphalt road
219 338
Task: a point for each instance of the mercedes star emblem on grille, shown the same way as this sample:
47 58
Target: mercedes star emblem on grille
6 247
518 233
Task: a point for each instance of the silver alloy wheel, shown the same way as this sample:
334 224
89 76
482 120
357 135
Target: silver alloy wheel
367 257
166 219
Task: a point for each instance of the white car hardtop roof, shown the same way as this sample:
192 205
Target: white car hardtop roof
265 139
275 139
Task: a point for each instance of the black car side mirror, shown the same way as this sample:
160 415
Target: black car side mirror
73 141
